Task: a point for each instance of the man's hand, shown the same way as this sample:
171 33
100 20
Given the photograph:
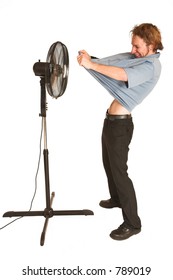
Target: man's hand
117 73
84 59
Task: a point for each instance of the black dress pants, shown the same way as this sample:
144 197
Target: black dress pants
116 137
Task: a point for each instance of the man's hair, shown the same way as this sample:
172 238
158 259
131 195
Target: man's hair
150 34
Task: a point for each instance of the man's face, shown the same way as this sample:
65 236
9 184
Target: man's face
140 48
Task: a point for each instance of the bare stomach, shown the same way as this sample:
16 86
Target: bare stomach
117 109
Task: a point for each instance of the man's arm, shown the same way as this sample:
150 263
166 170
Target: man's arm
113 72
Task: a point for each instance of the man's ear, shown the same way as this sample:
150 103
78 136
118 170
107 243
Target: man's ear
151 47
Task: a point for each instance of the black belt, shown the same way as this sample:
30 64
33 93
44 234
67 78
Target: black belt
117 117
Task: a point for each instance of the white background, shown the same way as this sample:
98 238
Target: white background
74 121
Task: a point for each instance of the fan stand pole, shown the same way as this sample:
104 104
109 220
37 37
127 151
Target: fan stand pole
48 212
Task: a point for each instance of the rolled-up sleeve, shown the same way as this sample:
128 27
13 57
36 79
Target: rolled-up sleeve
139 74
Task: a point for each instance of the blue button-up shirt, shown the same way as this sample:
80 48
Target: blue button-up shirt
143 74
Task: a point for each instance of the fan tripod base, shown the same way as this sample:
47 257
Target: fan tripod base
47 213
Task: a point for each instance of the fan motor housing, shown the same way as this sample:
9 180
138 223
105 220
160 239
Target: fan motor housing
41 68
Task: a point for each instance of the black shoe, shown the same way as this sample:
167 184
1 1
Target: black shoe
109 203
123 232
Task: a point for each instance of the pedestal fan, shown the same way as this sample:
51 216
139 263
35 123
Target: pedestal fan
53 77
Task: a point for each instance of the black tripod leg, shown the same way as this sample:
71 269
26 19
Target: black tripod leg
42 239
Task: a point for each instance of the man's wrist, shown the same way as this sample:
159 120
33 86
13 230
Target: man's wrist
93 66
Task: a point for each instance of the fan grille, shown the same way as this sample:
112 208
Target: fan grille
57 76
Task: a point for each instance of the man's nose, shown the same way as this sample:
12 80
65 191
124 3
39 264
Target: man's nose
133 50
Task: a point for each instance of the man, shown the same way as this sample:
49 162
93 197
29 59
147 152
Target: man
129 78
